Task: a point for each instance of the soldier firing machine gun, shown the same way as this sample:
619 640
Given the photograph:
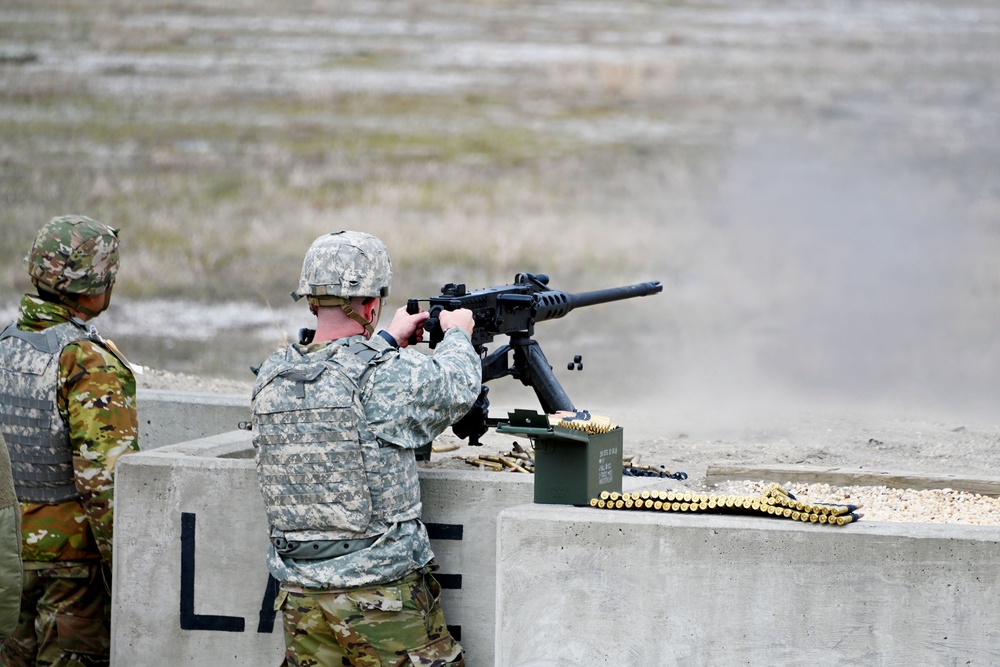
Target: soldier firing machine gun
513 310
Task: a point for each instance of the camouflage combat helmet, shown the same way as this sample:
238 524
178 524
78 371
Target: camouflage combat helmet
74 255
345 264
342 265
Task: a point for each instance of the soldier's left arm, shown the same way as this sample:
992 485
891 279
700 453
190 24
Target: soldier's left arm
97 398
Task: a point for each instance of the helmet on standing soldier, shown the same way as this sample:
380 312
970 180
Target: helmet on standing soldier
74 255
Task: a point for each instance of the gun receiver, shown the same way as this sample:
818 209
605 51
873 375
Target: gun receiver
513 310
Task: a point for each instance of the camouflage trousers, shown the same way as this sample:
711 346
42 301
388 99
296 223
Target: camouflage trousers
392 625
65 619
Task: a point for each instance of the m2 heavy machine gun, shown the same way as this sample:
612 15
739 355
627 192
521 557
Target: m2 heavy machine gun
512 311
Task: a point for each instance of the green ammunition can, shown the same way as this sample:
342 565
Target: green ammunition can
571 465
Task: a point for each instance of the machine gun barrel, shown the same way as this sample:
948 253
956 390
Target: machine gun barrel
554 304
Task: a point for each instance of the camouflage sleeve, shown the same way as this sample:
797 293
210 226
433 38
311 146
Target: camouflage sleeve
415 397
97 398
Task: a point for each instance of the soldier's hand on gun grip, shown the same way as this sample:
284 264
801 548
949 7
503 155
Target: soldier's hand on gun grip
404 325
457 318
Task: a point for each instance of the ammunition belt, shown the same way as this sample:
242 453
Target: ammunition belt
775 501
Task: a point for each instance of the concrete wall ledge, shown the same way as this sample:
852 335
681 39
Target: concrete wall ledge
232 445
169 417
580 586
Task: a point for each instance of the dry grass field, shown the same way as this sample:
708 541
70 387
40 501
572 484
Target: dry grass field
816 184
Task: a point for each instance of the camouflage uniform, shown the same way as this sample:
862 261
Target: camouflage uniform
379 604
67 545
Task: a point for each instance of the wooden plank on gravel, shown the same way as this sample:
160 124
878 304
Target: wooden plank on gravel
987 486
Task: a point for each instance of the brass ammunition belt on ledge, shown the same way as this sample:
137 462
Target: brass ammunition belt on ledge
775 501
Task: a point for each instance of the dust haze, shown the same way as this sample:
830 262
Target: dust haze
816 281
815 185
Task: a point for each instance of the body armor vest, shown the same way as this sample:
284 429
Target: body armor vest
323 473
37 437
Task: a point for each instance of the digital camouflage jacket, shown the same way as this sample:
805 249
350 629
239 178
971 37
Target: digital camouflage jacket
409 398
96 398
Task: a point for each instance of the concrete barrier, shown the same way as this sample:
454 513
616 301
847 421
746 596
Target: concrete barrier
190 586
580 586
530 585
190 583
168 417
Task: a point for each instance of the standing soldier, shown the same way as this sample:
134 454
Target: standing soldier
10 547
336 420
68 414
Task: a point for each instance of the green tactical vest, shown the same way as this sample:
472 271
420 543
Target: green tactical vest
37 437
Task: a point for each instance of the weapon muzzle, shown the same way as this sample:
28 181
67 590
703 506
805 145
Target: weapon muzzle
555 304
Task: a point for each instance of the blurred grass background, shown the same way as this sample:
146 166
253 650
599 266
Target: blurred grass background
215 136
815 183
